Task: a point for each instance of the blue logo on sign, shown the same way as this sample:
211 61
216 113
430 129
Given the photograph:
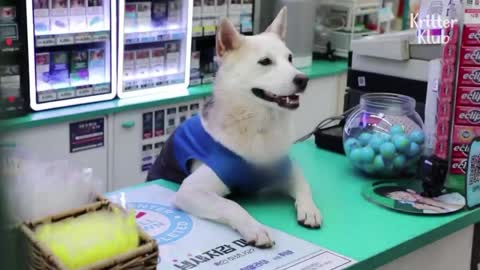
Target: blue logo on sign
163 223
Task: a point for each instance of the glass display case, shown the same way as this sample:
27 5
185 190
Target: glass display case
154 47
72 52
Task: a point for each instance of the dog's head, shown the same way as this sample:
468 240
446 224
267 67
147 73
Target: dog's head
259 67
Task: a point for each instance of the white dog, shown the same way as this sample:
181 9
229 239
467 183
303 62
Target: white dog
241 141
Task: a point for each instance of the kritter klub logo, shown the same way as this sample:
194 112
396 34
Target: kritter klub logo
163 223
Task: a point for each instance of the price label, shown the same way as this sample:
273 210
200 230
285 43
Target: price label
66 93
209 30
162 37
131 38
46 41
160 81
472 15
47 96
65 40
130 85
83 38
101 89
197 31
102 36
176 35
84 91
147 37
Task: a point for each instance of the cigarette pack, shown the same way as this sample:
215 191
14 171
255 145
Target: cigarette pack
59 15
42 24
144 13
174 12
222 9
208 8
42 66
59 8
247 7
128 64
209 17
157 60
195 61
142 62
78 19
96 65
234 7
78 7
41 8
170 120
79 67
95 14
59 74
59 23
159 12
469 76
194 109
246 23
197 9
183 113
172 56
130 14
159 123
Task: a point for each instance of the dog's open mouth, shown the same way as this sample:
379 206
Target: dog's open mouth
291 102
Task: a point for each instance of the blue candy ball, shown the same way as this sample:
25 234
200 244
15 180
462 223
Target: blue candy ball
385 137
399 162
369 168
413 150
367 154
355 155
387 149
364 138
351 144
401 142
375 142
397 129
378 163
417 136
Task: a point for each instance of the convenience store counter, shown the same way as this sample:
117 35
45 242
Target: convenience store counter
318 69
377 238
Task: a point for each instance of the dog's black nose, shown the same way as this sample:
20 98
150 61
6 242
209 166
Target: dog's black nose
301 81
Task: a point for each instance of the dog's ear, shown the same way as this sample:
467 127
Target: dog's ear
228 37
279 25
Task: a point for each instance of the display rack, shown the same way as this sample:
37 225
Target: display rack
206 15
154 47
351 17
72 52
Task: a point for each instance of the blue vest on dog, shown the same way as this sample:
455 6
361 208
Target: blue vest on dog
191 141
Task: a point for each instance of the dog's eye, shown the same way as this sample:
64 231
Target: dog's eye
265 61
290 58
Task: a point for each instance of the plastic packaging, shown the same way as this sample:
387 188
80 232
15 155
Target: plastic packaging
41 188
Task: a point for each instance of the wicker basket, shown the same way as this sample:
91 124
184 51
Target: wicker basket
145 256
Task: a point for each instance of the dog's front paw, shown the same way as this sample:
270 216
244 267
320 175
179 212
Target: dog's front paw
256 235
308 214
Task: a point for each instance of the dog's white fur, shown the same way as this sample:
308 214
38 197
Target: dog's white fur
257 130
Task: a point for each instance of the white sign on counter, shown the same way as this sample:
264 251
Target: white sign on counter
186 242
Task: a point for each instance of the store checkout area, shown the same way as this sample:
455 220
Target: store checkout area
374 237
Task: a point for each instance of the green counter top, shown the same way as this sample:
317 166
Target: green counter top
368 233
318 69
